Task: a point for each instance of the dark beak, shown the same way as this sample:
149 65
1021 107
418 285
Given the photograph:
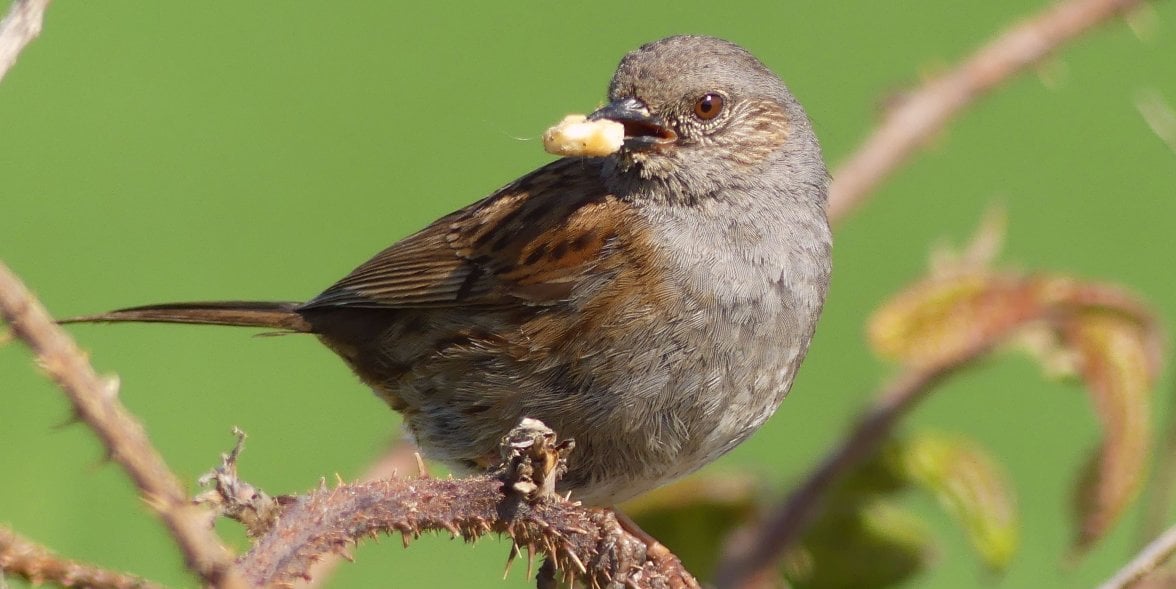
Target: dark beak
643 131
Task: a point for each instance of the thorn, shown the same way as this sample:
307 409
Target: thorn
530 559
514 552
452 529
155 502
576 561
238 447
110 386
1158 115
422 470
339 482
73 419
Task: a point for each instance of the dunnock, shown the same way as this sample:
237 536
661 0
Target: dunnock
653 304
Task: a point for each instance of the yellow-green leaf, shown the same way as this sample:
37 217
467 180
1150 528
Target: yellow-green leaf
1099 331
938 317
1117 367
971 487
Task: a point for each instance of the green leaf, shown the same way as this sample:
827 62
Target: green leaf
969 485
692 517
869 542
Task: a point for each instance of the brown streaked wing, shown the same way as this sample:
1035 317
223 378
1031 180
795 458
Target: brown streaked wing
533 240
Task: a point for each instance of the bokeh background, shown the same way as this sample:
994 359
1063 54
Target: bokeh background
190 150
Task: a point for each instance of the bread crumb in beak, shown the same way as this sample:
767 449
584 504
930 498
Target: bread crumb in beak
577 136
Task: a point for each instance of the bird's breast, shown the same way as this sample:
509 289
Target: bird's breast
706 338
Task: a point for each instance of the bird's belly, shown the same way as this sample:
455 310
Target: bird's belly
675 418
649 393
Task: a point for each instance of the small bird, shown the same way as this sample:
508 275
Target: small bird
653 304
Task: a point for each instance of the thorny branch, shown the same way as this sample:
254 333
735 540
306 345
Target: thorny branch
95 398
1063 308
95 401
37 565
400 458
590 536
586 544
1152 556
925 111
20 26
752 552
518 501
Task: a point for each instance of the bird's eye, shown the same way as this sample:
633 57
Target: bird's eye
708 107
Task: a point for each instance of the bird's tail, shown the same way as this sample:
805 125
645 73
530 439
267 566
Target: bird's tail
274 315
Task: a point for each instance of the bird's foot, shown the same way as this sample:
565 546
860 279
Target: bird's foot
533 459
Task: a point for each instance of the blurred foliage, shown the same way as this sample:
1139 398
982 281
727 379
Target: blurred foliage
970 485
694 515
1120 372
185 151
1099 332
864 535
871 542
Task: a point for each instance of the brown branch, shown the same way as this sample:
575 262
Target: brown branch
590 545
95 402
590 542
95 398
399 460
922 114
751 553
1152 556
587 544
20 26
926 111
1162 487
36 564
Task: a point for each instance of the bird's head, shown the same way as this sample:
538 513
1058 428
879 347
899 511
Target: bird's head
702 115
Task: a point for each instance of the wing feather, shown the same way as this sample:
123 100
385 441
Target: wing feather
533 240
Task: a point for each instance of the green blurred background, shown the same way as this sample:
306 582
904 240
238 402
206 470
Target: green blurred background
191 150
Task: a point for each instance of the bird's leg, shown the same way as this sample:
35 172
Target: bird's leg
656 550
533 459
